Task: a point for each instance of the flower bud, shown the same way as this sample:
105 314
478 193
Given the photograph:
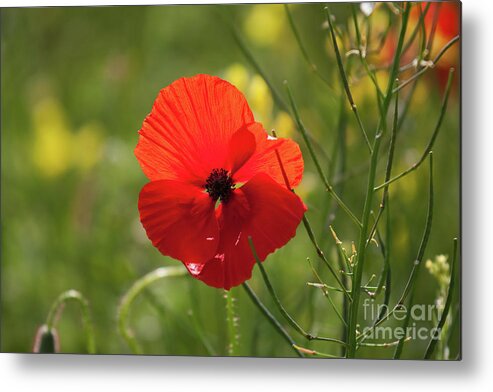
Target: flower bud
46 341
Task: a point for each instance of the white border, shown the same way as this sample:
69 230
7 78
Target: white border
474 373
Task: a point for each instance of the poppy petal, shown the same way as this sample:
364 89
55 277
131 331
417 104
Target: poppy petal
241 148
261 209
264 159
179 219
188 131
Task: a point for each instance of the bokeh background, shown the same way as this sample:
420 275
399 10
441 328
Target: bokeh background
76 84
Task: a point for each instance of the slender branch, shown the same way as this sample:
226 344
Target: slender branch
279 305
344 79
321 174
127 300
56 308
432 140
315 353
303 50
277 326
419 258
309 230
429 64
361 249
417 263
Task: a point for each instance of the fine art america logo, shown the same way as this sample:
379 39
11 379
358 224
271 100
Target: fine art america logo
417 314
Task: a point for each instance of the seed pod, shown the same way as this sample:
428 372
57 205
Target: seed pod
46 341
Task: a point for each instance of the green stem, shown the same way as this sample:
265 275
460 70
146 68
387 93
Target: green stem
303 50
344 79
56 308
361 249
417 263
432 140
419 257
427 67
276 324
231 320
279 305
320 172
127 300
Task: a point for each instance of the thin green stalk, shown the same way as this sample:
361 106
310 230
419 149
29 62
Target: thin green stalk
303 50
232 322
448 303
279 305
276 324
434 24
275 94
57 306
388 169
321 174
344 79
419 25
417 263
432 140
315 353
128 298
321 255
326 293
309 229
419 258
361 249
363 61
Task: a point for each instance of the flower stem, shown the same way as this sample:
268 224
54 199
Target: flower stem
432 140
232 322
276 324
303 50
56 308
344 79
417 262
320 172
128 298
279 305
361 249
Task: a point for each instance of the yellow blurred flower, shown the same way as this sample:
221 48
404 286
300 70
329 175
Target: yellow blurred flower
87 146
51 152
264 24
55 148
238 76
260 98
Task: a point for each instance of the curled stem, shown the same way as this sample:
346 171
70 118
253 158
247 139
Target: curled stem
127 300
57 307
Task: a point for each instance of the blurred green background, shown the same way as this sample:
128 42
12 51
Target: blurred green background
76 84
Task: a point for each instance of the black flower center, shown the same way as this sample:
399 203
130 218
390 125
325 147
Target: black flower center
219 185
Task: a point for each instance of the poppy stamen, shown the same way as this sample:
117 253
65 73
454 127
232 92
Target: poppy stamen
219 185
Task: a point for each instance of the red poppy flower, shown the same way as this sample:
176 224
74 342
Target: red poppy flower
215 181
